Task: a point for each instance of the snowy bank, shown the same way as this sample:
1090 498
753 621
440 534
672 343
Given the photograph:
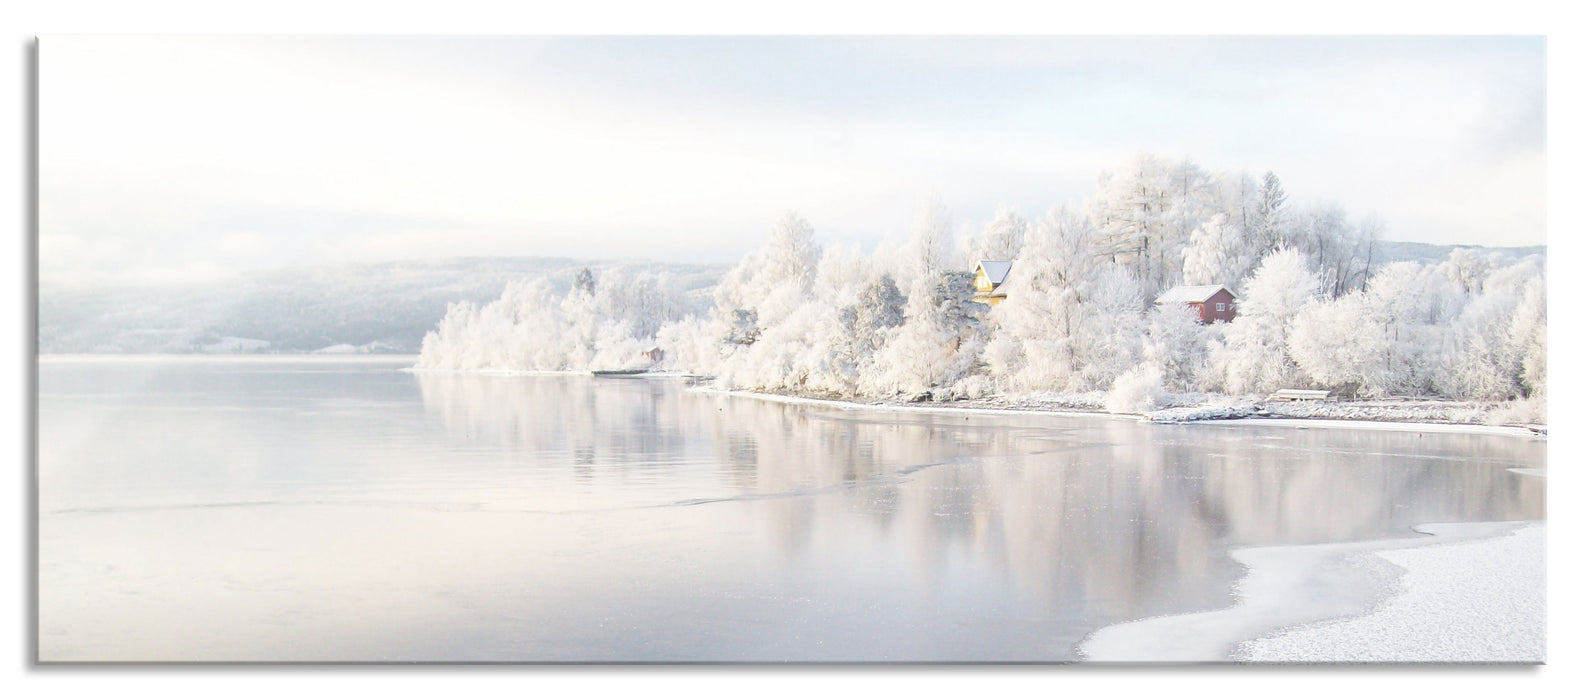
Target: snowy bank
1363 424
1469 592
952 407
1082 406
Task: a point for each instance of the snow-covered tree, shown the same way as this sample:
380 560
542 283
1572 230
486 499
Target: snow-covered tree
1112 327
940 342
1033 344
1178 345
1313 307
926 254
1000 239
772 281
1217 254
1479 365
1340 344
1528 339
1269 228
1467 268
1254 357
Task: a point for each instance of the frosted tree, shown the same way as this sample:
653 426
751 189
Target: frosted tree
1236 196
1193 199
1112 327
1145 214
1217 254
772 281
1513 278
791 255
741 327
1339 250
1034 331
938 345
1467 268
1479 364
1129 211
856 309
691 345
1269 224
1138 390
578 325
1497 347
796 317
1000 239
1178 345
842 274
880 308
1528 339
1341 345
1254 357
585 282
1411 307
926 253
604 322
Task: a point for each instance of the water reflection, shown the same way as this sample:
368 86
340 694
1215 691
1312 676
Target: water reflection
273 509
1093 516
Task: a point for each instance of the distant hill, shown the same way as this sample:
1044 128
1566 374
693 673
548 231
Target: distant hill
1430 254
382 307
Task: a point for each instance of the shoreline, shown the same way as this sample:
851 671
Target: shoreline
1338 602
1246 413
1275 421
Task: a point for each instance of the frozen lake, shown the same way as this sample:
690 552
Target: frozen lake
326 509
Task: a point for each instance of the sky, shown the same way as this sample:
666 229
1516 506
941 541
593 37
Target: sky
182 158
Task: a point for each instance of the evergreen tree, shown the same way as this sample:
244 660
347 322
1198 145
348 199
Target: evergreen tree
1270 231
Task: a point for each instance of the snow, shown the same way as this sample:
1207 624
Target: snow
959 407
995 270
1195 293
1407 427
1203 413
1480 601
1462 597
1093 405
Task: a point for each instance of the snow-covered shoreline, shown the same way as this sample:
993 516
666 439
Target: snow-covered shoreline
1214 411
847 404
1469 592
1211 417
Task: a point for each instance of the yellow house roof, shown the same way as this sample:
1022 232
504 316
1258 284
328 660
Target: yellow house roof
993 270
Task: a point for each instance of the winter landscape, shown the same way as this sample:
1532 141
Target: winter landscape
1151 405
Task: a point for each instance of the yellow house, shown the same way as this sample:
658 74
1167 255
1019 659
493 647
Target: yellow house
987 277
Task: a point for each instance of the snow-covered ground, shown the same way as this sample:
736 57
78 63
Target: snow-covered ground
1456 417
1475 601
951 407
1472 592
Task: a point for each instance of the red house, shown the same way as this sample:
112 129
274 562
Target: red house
1212 302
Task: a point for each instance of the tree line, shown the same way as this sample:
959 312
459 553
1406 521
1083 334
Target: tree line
1315 309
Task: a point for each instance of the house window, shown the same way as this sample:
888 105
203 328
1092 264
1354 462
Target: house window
1220 307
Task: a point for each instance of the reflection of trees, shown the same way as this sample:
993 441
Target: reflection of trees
604 424
1096 518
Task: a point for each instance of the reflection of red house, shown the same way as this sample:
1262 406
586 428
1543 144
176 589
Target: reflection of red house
1213 302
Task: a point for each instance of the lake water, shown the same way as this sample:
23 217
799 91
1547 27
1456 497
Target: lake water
322 509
